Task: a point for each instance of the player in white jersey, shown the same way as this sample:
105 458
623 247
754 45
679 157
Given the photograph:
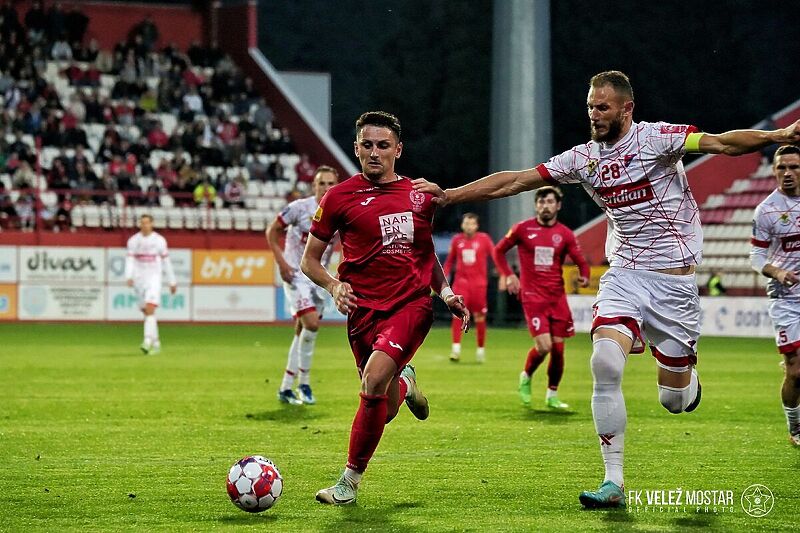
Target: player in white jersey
306 300
147 255
634 172
775 252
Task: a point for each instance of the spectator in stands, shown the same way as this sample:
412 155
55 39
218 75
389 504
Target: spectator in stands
165 173
8 213
75 24
152 196
24 209
61 50
233 193
275 171
157 137
63 217
24 177
36 22
263 115
714 285
305 169
193 100
205 193
105 190
147 31
182 192
56 22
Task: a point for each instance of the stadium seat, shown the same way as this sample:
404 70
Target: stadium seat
190 217
91 216
257 220
224 219
240 220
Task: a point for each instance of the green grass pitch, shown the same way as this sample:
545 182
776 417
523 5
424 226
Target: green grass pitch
95 436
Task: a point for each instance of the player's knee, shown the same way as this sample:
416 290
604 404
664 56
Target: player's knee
373 383
793 370
607 362
672 399
543 346
311 324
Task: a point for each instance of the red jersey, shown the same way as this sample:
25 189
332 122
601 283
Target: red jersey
387 247
542 250
469 255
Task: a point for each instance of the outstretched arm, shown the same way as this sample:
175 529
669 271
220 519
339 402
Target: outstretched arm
497 185
738 142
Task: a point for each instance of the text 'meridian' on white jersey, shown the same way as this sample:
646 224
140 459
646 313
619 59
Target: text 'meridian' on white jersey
640 183
776 240
146 258
297 217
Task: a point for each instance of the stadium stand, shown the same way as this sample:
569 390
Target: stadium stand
727 220
91 137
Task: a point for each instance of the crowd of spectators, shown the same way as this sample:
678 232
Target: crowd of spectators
220 119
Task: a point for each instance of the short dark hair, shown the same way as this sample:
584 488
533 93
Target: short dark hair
471 215
786 149
381 119
618 80
147 216
326 168
544 192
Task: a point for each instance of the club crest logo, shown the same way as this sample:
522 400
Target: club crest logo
417 200
556 239
784 219
591 167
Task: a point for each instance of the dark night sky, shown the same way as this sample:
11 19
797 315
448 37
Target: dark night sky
717 64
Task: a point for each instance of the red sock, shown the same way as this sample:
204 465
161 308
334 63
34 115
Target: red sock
534 360
402 390
555 369
366 431
480 333
455 329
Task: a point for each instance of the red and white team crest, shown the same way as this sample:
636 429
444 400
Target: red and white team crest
417 200
557 238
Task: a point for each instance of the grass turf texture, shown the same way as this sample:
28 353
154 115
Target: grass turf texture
95 436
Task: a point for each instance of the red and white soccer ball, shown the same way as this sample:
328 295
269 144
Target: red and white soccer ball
254 484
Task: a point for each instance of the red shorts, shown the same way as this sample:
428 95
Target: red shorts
398 333
474 296
552 317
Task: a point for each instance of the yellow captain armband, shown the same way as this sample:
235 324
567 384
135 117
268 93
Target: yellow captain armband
692 143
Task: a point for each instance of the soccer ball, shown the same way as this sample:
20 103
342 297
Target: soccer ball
254 484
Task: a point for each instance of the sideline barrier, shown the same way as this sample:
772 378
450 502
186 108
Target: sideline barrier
720 316
87 284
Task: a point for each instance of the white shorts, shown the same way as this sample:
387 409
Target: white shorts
650 307
304 296
785 315
148 291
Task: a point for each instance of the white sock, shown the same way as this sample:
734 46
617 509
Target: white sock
352 476
292 364
150 330
608 405
793 419
550 393
480 351
308 340
456 348
676 399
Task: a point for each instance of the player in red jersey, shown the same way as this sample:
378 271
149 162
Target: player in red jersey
469 252
543 244
384 282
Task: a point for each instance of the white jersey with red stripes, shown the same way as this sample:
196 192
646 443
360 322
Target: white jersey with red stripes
776 237
297 217
147 256
642 186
